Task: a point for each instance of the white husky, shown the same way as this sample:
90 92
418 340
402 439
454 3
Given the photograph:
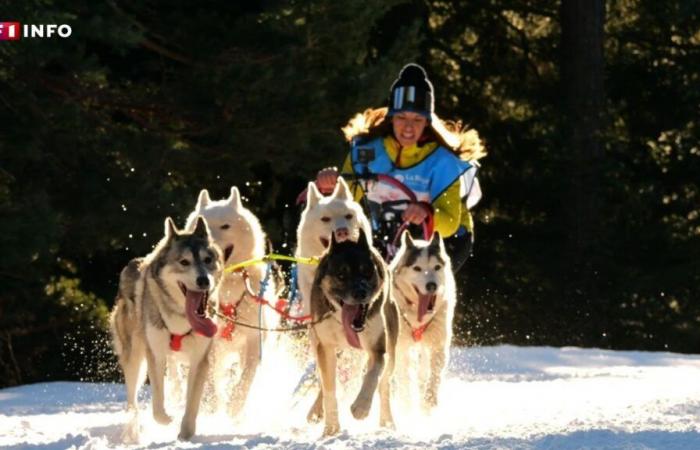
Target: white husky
425 292
237 231
338 213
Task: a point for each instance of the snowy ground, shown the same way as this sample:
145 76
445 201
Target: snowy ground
494 397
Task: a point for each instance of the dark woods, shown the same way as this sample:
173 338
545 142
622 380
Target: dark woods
589 230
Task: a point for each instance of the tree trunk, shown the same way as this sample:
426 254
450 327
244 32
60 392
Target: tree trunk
582 71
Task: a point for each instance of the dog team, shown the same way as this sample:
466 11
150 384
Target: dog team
166 303
185 302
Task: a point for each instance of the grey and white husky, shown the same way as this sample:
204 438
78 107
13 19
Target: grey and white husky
425 292
350 296
162 307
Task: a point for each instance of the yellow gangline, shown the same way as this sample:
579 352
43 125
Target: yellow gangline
268 258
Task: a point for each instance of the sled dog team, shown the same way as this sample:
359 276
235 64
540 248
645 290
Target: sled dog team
176 302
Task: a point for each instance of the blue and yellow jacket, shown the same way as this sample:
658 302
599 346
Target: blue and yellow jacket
444 169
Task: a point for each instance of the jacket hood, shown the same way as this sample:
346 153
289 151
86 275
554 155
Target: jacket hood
463 141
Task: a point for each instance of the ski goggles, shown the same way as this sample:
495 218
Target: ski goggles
408 98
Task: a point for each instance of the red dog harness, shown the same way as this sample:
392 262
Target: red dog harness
176 341
417 333
230 312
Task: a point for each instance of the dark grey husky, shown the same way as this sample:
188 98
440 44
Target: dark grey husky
351 289
162 307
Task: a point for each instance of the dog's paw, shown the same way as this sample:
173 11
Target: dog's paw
131 434
315 414
360 408
185 435
387 423
234 410
186 432
430 402
331 429
162 418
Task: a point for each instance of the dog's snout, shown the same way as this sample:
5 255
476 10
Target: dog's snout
359 294
431 287
342 234
360 289
203 282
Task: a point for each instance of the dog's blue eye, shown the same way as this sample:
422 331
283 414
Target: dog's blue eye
225 226
184 262
325 219
438 267
417 268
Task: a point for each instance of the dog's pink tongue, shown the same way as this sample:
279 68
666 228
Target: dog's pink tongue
202 325
348 314
424 301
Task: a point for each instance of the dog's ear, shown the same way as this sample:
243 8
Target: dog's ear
407 239
235 198
341 190
436 245
170 228
203 200
365 228
312 195
201 229
333 241
362 240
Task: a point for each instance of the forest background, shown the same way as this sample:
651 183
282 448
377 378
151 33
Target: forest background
588 233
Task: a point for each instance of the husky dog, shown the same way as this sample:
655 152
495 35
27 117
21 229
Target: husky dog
338 215
162 306
351 299
425 292
239 234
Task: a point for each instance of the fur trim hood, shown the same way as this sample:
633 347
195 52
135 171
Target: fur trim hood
464 142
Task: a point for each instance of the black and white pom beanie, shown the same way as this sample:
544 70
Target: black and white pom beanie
412 91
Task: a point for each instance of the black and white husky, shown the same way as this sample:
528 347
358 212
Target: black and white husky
337 214
163 307
425 292
350 296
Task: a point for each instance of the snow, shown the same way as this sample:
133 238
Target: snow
500 397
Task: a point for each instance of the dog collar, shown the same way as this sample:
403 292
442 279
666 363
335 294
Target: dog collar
417 333
176 340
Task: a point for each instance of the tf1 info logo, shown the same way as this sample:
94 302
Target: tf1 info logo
12 31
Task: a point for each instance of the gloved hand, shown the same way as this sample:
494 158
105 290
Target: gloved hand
416 213
326 179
